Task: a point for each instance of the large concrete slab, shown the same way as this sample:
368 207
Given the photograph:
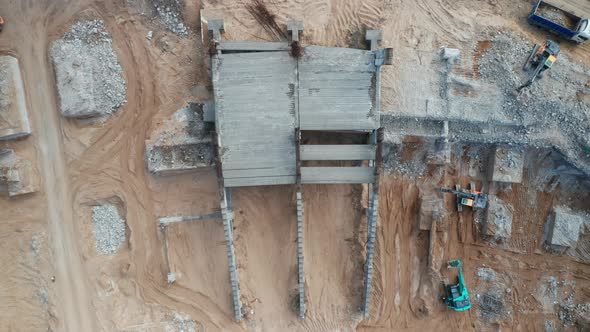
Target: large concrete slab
565 227
14 121
256 117
337 89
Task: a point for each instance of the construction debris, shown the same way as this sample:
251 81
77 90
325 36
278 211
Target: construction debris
431 210
17 175
170 14
498 223
14 121
507 164
89 77
110 230
183 143
565 227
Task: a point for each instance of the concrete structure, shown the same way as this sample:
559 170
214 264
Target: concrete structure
265 95
17 175
498 219
295 28
182 144
565 227
328 89
507 164
14 120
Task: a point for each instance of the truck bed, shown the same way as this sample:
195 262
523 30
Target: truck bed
580 8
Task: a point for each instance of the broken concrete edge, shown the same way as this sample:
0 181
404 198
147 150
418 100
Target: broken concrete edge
388 119
17 174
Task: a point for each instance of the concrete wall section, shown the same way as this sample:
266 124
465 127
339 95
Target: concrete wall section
14 121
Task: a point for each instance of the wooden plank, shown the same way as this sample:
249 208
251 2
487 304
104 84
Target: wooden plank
337 152
327 175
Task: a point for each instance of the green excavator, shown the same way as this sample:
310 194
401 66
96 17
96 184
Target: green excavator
457 295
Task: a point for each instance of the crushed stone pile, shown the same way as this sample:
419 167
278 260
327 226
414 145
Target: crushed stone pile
552 110
554 15
89 77
170 14
181 323
109 229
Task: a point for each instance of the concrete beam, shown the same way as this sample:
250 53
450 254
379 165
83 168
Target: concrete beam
337 152
295 27
328 175
374 37
216 26
253 46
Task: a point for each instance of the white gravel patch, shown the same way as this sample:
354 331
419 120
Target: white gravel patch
109 229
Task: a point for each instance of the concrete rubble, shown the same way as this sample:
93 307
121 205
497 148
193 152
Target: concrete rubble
90 80
565 227
431 209
507 164
183 143
170 14
14 121
110 230
477 100
498 223
17 175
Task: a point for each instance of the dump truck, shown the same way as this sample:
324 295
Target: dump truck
561 18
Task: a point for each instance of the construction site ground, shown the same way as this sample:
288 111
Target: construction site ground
52 278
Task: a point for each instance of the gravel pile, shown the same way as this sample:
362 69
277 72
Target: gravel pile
89 77
181 323
552 105
109 229
169 12
486 273
554 15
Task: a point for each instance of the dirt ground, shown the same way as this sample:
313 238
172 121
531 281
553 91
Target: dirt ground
53 280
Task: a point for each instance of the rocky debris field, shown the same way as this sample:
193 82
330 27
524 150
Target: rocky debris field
89 77
170 14
552 110
109 229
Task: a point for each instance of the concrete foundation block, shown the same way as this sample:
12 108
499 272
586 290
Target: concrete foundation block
507 164
499 219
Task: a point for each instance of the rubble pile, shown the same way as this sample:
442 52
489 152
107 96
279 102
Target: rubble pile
89 77
109 229
169 12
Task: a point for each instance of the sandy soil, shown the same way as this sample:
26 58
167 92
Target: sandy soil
48 234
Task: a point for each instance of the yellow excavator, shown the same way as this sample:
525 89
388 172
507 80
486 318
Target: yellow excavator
541 58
